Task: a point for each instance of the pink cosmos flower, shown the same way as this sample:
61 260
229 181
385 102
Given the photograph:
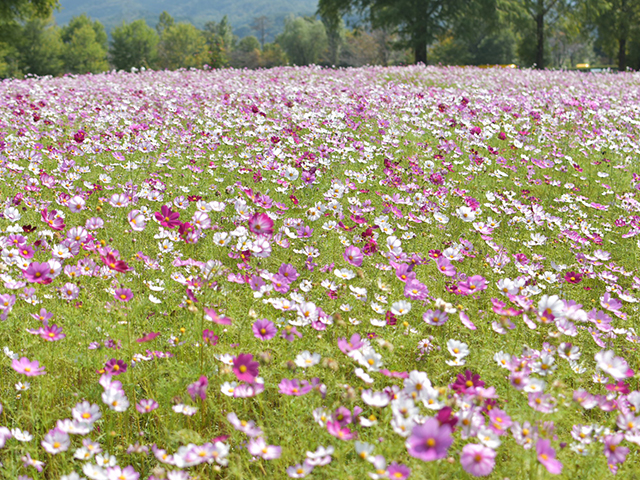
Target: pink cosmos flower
26 252
445 267
212 316
261 224
294 387
343 433
264 329
38 273
27 461
300 470
435 317
245 368
43 315
547 456
119 473
477 459
56 441
148 337
353 255
249 427
123 294
258 447
290 332
146 405
198 388
415 290
137 220
499 421
473 284
398 471
209 337
51 333
354 343
55 223
613 451
289 272
248 390
429 441
27 367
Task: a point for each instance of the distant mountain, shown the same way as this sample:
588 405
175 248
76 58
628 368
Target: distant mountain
240 12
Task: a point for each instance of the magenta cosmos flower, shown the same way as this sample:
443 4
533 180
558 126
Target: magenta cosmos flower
167 217
115 367
245 368
261 224
477 459
264 329
547 456
573 277
429 441
27 367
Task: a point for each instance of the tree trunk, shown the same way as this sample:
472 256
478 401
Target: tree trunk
622 54
540 37
420 53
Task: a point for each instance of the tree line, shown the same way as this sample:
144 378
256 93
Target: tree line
539 33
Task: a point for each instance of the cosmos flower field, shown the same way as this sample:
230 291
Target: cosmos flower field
341 274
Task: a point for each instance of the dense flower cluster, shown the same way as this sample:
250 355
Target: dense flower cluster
392 268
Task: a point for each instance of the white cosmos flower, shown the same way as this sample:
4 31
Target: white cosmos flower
364 376
375 399
344 273
307 359
440 218
457 349
20 435
401 307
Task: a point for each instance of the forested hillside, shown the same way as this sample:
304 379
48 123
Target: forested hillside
241 13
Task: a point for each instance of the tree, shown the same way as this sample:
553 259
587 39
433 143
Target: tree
12 11
334 27
165 21
39 46
9 64
614 21
303 39
219 40
360 48
469 42
85 46
134 45
417 21
273 56
539 10
261 25
182 46
247 53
